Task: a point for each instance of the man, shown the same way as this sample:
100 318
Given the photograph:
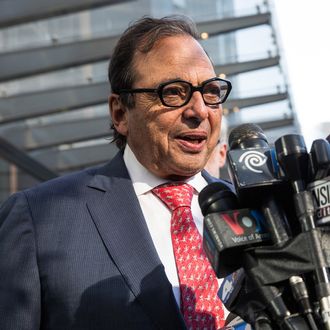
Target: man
93 250
218 157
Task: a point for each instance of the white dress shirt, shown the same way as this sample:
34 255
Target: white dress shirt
158 216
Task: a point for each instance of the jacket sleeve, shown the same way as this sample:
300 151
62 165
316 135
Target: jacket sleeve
20 306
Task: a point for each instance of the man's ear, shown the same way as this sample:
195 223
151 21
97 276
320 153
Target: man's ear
118 114
223 154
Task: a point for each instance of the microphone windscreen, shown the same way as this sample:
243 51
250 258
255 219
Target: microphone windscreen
217 197
242 136
290 144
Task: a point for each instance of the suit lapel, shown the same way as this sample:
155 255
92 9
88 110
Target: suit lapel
210 179
118 217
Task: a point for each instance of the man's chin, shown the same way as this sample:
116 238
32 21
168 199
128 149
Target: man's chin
182 171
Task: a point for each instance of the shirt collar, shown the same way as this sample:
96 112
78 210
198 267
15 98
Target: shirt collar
144 181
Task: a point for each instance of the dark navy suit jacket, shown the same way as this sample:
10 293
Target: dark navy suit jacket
76 253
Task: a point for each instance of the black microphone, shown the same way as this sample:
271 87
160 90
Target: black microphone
227 232
228 229
253 170
319 159
217 197
319 181
251 164
224 243
293 158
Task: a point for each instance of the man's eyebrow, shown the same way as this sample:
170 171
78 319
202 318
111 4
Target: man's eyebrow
166 80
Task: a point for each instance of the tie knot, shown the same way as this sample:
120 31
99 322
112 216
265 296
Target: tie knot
174 195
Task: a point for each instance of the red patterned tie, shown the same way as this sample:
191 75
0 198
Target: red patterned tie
200 305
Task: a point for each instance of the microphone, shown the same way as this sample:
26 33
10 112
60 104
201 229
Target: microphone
251 164
227 232
253 170
257 180
228 229
293 159
320 159
319 184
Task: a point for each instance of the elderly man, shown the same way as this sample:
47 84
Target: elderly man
119 246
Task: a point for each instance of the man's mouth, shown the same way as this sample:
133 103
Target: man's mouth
193 139
192 142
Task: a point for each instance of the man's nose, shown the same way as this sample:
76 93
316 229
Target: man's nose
196 107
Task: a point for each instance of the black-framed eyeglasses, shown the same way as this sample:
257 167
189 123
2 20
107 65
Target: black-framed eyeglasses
177 93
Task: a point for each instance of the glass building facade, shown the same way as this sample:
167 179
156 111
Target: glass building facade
53 77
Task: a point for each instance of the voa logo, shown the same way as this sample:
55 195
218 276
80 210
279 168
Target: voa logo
243 221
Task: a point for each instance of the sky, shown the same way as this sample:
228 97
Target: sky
304 36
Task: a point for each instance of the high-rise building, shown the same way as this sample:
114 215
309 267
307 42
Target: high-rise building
53 76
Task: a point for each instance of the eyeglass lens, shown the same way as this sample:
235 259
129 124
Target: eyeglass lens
175 94
178 93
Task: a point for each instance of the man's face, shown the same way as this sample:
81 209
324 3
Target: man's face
171 142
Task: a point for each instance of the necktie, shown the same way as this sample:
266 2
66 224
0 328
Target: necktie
200 305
